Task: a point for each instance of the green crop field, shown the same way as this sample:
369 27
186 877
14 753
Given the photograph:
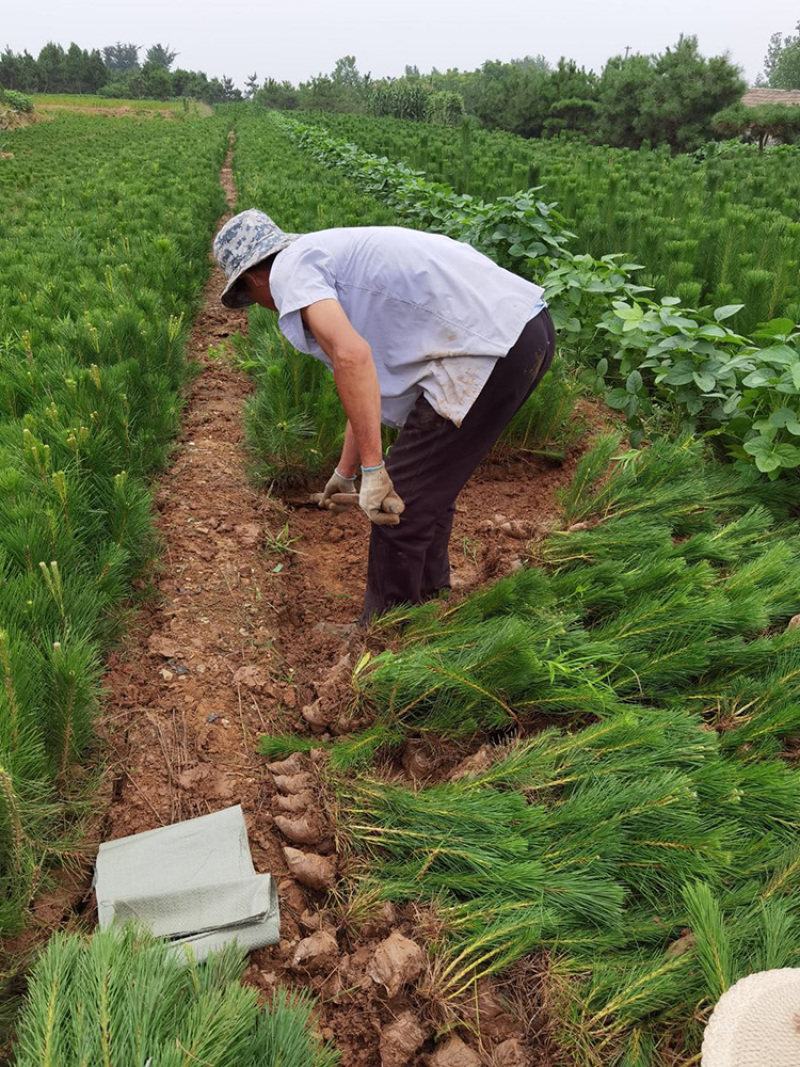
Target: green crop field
87 101
720 226
105 230
632 688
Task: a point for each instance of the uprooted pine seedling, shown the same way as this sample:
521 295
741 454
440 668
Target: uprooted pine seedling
672 581
649 868
643 843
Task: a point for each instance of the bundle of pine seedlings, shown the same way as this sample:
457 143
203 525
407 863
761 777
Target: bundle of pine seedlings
124 997
652 868
672 582
645 842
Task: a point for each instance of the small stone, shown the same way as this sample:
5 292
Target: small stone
161 645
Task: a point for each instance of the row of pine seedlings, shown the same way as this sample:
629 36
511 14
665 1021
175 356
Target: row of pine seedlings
715 226
104 234
632 823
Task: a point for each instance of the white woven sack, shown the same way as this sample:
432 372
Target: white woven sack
756 1023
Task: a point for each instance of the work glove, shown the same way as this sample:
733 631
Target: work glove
378 499
337 486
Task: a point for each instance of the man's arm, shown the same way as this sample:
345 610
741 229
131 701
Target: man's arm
356 380
350 458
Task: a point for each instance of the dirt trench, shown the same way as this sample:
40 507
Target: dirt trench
245 622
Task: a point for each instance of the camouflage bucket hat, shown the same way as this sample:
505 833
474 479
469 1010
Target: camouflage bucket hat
244 241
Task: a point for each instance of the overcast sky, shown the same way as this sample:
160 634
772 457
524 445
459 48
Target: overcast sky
300 38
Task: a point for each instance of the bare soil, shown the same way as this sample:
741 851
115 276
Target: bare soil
241 632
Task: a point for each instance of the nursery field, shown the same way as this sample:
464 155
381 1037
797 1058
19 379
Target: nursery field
544 822
720 226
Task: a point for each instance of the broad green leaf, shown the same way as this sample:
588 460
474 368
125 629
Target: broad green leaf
680 374
617 398
629 314
767 461
706 382
778 355
782 417
758 446
634 382
789 455
726 311
776 328
757 378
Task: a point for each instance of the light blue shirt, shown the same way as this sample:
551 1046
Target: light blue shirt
436 313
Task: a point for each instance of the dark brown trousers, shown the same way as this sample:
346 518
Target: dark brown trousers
431 462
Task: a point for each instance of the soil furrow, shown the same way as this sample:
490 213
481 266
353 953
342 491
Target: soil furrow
247 619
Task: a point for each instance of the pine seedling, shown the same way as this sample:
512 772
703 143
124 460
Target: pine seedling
125 997
285 1035
281 746
712 941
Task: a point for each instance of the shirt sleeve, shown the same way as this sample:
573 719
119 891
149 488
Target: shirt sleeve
303 278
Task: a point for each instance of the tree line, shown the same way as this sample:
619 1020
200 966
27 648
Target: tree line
678 97
114 71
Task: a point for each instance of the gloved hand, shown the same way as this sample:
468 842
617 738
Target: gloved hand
378 499
337 485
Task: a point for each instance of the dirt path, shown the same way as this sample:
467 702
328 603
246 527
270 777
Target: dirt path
242 627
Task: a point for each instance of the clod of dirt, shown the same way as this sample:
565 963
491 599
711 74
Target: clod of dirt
294 783
161 645
306 830
454 1053
249 534
522 531
400 1040
295 764
330 693
294 803
511 1053
310 920
315 952
251 676
475 764
490 1014
419 758
317 872
398 961
317 716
